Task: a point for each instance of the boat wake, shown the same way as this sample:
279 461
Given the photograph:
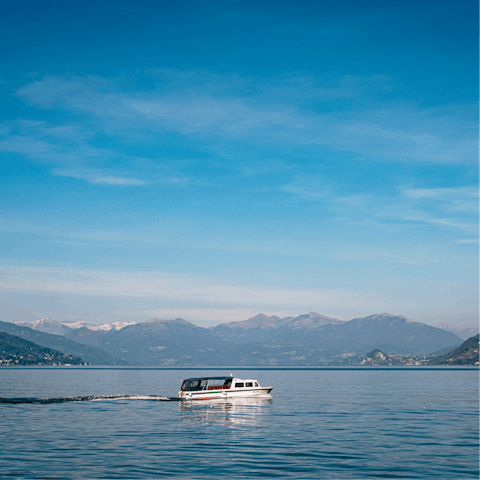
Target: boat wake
86 398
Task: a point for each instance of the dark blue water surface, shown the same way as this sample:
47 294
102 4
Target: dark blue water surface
340 423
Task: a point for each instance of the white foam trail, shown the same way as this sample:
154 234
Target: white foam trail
131 397
87 398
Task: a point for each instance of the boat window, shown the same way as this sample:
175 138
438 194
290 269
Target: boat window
256 384
249 384
239 385
216 383
228 383
195 385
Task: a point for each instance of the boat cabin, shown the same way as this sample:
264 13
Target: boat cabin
216 383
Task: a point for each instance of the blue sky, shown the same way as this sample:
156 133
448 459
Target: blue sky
212 160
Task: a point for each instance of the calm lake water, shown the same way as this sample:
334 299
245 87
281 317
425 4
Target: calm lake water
342 423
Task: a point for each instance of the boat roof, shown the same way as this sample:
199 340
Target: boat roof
228 377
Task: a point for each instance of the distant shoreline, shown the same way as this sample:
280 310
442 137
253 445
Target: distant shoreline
234 367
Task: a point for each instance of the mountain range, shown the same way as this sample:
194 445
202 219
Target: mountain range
463 331
157 342
309 339
88 353
317 333
48 325
263 328
252 329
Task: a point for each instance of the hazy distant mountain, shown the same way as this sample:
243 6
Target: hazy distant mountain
312 320
310 339
86 336
254 329
465 354
262 328
46 325
118 325
159 342
463 331
103 327
90 354
338 342
18 351
390 333
258 321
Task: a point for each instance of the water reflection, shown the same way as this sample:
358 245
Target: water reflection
231 411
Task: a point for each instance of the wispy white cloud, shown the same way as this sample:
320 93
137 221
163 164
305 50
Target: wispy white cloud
166 286
50 144
203 300
456 200
100 177
455 207
68 150
109 180
472 241
441 192
221 110
55 91
447 209
307 187
442 222
213 106
288 245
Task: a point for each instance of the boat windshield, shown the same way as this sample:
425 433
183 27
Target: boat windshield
196 384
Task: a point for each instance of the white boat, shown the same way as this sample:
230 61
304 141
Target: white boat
209 388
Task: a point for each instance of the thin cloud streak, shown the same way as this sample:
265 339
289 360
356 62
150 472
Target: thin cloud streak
68 150
308 187
100 178
442 222
288 246
440 192
473 241
199 299
164 286
404 133
415 206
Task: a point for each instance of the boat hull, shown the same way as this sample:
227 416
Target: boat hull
223 394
